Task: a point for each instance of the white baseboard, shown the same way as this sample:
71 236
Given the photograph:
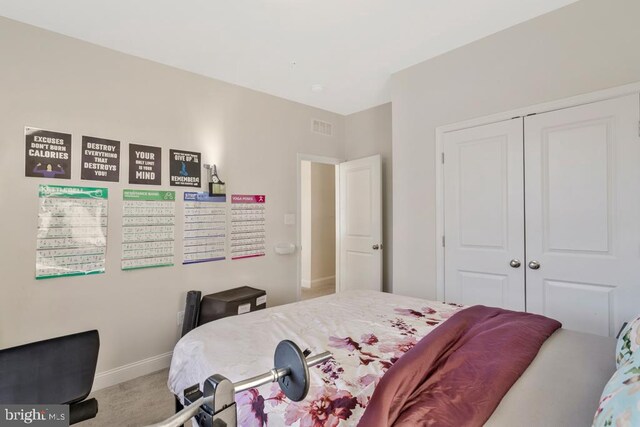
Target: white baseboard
132 370
323 281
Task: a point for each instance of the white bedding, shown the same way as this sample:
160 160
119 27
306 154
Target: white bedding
366 331
369 330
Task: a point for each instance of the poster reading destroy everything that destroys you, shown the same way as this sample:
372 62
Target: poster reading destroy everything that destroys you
100 159
72 231
184 168
47 153
145 164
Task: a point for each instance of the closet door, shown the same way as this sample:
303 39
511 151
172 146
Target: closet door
484 215
582 189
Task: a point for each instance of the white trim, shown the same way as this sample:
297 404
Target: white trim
315 159
130 371
306 225
588 98
573 101
319 159
337 215
439 215
321 281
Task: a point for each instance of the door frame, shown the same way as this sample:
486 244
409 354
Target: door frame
327 161
574 101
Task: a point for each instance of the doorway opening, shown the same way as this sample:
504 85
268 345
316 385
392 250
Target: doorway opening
317 229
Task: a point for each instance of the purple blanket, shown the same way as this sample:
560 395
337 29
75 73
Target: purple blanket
458 374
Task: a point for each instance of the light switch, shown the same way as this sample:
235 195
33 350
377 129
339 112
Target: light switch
289 219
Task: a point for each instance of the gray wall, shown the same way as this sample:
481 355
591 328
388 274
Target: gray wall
584 47
58 83
367 133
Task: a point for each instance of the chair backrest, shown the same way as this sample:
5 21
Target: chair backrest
55 371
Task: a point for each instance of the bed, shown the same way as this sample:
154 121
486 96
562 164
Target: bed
367 332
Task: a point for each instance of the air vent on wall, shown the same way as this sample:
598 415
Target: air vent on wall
323 128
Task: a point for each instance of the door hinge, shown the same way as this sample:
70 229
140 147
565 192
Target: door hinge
443 158
443 240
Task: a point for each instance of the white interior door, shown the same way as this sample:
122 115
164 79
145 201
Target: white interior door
360 213
582 198
484 215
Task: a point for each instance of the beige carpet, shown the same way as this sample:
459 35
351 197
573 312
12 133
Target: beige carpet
139 402
318 291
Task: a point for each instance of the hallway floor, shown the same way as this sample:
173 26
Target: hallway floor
318 291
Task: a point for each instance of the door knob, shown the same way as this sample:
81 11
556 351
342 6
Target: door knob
375 247
534 265
515 263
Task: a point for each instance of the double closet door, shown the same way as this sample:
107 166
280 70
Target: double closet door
542 214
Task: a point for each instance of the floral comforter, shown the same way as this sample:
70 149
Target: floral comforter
366 331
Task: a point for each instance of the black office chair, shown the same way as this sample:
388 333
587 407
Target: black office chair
55 371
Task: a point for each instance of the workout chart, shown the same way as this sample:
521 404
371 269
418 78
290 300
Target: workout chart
148 228
72 231
205 227
247 226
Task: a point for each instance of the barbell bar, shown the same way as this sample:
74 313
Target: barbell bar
275 374
297 372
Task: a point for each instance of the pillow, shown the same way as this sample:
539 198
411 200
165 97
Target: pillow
620 400
628 342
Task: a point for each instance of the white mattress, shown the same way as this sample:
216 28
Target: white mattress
563 384
365 331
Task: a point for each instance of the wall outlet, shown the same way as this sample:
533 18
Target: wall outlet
180 319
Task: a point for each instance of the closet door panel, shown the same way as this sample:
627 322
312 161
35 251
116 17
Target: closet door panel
484 215
581 191
578 164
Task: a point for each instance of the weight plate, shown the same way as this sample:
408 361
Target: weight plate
289 356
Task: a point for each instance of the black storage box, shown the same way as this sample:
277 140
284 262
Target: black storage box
230 303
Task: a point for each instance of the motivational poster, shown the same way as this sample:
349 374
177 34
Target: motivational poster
184 168
100 159
247 226
47 153
145 164
72 231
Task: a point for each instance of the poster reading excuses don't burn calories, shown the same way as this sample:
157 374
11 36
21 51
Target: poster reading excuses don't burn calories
47 153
